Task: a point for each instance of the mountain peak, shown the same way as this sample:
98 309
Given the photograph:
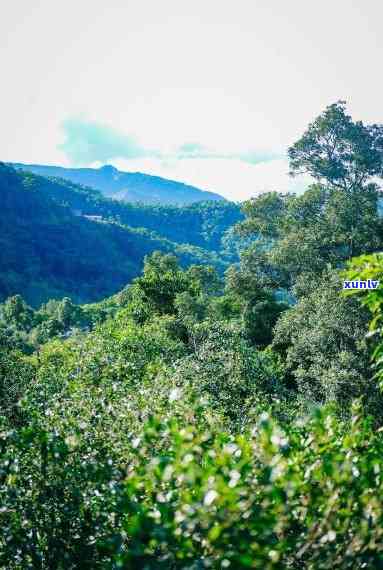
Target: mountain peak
127 186
108 168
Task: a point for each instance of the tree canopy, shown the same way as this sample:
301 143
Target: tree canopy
199 418
339 151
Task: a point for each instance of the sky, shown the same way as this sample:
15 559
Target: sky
207 92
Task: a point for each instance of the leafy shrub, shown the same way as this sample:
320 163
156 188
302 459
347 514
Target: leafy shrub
305 495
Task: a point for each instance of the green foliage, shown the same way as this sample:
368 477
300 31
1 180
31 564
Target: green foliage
322 227
263 215
49 250
15 311
26 329
201 224
185 496
363 268
139 449
237 379
274 498
339 151
260 308
187 422
322 340
162 279
16 375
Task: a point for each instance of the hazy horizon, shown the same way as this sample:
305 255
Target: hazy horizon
209 93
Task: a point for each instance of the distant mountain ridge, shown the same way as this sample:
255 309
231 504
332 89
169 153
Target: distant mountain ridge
50 251
129 186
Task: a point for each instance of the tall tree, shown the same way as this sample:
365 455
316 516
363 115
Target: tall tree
336 218
338 151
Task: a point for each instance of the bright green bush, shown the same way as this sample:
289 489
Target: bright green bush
305 495
174 443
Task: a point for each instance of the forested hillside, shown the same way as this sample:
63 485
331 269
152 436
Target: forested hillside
203 224
199 420
50 250
129 186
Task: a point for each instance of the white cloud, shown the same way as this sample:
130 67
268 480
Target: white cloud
90 141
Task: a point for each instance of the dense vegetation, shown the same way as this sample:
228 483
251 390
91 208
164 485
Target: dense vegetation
203 224
194 421
50 248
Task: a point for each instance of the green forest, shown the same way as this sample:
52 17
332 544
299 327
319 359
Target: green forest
58 239
191 387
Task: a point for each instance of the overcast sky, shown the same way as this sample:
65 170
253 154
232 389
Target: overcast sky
209 92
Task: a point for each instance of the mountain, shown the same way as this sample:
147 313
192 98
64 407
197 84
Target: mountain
49 250
202 224
129 186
